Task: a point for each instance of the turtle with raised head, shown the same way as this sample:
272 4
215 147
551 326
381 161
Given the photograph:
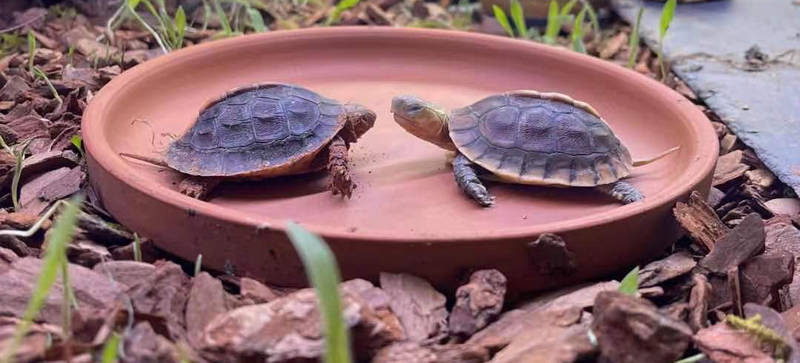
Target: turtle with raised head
525 137
264 131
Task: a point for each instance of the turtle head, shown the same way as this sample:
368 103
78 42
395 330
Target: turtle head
422 119
359 119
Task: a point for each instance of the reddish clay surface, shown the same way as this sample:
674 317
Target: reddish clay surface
407 213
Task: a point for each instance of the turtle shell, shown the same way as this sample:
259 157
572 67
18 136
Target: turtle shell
257 131
528 137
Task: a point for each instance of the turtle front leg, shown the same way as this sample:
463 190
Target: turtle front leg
338 169
198 187
622 191
467 179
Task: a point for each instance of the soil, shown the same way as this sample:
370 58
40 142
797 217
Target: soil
736 260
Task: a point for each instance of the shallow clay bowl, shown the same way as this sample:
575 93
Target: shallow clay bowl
407 214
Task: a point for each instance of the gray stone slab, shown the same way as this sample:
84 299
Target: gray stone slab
706 47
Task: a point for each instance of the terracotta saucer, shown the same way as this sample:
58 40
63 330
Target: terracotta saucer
407 214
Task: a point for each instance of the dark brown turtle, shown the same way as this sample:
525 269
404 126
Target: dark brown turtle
525 137
267 130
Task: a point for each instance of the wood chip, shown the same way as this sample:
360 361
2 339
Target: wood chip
763 276
37 194
723 344
550 255
631 329
91 289
729 167
558 336
7 257
727 143
699 299
142 344
44 162
715 197
792 319
674 265
256 291
420 308
30 191
206 301
611 46
774 321
783 237
125 273
735 290
786 206
554 306
700 220
739 244
295 329
478 302
414 352
93 49
163 294
377 15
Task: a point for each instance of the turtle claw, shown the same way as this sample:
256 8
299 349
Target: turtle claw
480 194
341 184
197 187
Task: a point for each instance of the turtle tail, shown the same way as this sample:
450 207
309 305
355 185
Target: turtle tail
657 157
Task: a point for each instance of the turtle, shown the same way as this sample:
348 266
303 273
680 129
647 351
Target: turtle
525 137
266 130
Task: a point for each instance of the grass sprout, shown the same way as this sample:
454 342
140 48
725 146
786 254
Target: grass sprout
340 7
137 248
517 14
77 141
577 33
630 283
667 13
31 50
198 264
40 74
54 260
110 352
633 44
322 270
502 18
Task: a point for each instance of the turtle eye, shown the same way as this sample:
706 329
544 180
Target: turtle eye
414 108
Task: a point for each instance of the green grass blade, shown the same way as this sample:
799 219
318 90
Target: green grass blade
692 359
198 264
180 27
110 349
206 15
339 8
567 8
633 44
137 248
256 20
519 18
77 141
132 10
19 156
322 270
592 19
667 13
223 19
630 283
502 18
31 50
553 23
62 233
577 33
